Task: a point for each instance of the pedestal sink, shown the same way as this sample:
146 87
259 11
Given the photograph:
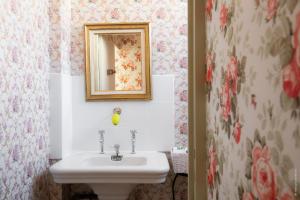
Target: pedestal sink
111 180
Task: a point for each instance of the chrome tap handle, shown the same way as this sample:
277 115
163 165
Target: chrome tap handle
101 133
117 149
133 139
133 134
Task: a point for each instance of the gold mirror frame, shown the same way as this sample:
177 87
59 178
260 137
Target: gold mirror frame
145 26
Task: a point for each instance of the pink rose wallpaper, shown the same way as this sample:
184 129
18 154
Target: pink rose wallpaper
223 16
253 99
291 72
272 8
263 177
212 169
208 8
210 66
24 99
128 64
60 36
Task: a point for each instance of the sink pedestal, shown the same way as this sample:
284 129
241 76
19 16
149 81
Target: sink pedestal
112 191
112 180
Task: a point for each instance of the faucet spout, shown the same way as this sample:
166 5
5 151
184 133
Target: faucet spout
117 157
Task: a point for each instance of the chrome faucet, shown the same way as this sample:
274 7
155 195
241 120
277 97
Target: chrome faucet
101 133
133 139
117 157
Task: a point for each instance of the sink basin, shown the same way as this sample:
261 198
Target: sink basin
106 161
111 180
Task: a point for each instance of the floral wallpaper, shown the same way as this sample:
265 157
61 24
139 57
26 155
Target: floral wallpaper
169 41
253 99
60 36
24 102
128 63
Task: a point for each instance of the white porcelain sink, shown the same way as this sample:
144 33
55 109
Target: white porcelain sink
112 180
106 161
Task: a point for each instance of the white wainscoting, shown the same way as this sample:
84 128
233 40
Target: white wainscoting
154 120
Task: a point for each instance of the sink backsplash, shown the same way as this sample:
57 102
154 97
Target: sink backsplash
154 120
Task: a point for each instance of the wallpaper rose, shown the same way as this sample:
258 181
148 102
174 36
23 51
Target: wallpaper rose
60 36
253 99
24 103
128 63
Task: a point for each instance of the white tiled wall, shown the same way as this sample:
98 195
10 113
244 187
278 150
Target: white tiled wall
60 115
154 120
55 115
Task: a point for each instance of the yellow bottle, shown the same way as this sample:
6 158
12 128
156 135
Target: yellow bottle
116 116
115 119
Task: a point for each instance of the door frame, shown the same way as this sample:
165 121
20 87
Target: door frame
197 183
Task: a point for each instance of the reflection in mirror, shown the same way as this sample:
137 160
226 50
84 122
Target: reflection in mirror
118 61
118 65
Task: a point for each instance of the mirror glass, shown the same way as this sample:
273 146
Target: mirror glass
118 66
117 63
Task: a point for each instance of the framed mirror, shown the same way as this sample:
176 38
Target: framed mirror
117 61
